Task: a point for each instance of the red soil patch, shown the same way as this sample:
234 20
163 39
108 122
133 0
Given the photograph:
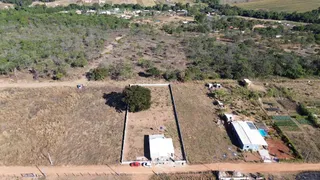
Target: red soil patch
277 148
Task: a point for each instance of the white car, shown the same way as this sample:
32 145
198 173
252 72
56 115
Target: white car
146 164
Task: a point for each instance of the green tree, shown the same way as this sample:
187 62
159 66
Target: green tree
200 17
137 98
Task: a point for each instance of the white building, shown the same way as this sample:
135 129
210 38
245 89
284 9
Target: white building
161 148
247 82
248 136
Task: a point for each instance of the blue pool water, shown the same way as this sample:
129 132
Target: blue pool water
263 132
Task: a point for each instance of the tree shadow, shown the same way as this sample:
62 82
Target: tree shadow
114 99
147 147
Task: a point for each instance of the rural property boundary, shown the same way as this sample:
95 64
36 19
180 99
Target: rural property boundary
184 156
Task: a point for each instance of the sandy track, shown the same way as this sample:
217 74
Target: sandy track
54 171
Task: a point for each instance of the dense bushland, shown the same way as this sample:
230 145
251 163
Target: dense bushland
210 59
308 17
49 43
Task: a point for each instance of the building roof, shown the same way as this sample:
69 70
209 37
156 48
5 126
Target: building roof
160 146
248 133
247 80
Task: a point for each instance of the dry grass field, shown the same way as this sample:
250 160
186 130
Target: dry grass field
280 5
164 51
74 127
204 141
144 123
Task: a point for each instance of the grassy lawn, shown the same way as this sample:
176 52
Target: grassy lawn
281 5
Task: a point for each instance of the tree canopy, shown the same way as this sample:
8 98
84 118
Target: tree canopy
137 98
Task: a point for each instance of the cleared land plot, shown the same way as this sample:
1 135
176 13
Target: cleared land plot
277 148
303 91
307 144
163 51
74 127
203 139
148 122
281 5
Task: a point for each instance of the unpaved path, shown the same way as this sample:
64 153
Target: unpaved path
54 171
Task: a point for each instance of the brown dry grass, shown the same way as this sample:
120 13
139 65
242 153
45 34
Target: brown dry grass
164 51
75 127
148 122
204 141
307 143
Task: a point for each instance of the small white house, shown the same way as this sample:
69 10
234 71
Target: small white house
161 148
247 82
248 136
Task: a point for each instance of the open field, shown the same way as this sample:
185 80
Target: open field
149 122
281 5
307 143
163 51
74 127
203 139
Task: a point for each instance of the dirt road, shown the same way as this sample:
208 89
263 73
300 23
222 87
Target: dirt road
54 171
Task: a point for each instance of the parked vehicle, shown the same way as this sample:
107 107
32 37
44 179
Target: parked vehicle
135 164
146 164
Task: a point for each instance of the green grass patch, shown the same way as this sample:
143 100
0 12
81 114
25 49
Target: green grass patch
281 5
304 121
281 118
287 125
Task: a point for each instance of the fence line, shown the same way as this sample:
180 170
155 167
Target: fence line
178 124
150 85
124 134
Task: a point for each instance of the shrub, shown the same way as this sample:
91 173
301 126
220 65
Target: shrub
145 63
155 72
137 98
59 76
81 62
302 110
98 74
171 75
121 71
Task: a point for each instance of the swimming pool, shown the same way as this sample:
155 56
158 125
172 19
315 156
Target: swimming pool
263 132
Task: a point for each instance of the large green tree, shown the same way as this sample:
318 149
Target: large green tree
137 98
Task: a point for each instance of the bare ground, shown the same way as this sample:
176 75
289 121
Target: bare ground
148 122
74 127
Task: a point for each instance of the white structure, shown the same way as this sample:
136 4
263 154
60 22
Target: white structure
265 156
229 117
219 103
248 136
161 148
247 82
